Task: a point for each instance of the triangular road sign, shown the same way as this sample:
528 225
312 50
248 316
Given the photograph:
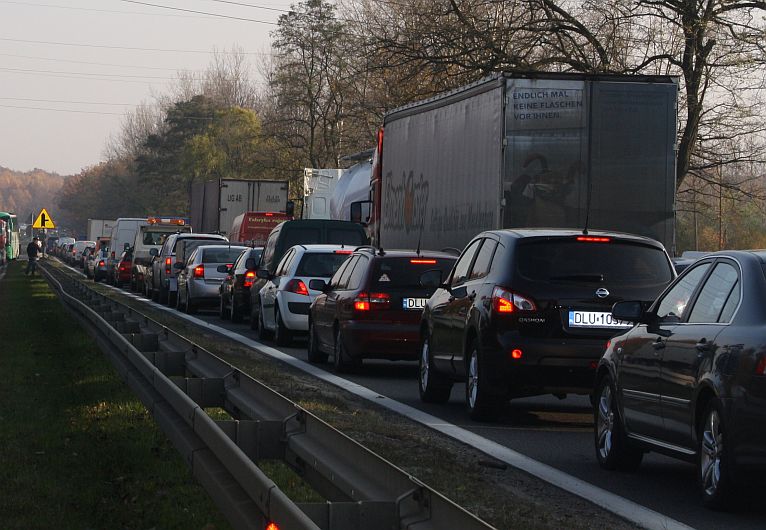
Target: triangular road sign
43 220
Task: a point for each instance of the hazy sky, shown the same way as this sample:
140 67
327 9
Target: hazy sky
60 56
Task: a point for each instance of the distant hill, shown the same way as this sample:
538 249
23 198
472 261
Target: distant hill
25 193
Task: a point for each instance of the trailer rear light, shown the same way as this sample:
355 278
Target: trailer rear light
423 261
506 302
249 278
297 287
199 271
590 239
367 302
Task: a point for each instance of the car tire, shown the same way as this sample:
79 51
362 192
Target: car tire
235 314
223 312
282 335
162 298
342 362
315 355
433 386
613 450
178 305
263 333
190 306
253 318
172 297
714 460
481 404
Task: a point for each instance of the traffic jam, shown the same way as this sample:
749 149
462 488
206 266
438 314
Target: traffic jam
543 319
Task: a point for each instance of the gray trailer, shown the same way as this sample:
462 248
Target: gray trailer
215 204
537 150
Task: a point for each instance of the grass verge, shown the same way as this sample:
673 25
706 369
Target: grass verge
79 450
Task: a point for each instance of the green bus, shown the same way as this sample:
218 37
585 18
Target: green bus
11 235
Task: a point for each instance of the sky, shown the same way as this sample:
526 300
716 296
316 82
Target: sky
70 69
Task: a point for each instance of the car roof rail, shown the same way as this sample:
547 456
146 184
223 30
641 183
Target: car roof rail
371 248
451 250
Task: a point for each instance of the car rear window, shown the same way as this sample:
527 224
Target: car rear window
575 261
221 255
321 265
403 272
343 236
300 236
191 244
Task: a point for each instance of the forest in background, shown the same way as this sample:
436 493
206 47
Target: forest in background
25 193
336 68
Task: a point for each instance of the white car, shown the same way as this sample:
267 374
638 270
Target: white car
199 281
285 298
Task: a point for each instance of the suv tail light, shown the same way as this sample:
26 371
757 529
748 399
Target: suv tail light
297 286
249 278
101 263
167 265
506 302
367 302
199 271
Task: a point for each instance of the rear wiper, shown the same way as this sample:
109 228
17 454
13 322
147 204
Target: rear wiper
580 277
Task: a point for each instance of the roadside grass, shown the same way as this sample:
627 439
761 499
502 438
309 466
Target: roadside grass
79 450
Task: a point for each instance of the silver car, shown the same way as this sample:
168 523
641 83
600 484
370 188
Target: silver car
199 279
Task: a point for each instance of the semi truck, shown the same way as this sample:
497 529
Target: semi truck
215 204
99 228
318 188
526 150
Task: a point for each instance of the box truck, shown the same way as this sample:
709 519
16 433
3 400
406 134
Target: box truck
533 150
99 228
215 204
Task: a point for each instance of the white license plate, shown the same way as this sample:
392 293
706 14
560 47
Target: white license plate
414 303
595 319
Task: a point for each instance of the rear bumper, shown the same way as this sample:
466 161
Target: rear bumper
374 340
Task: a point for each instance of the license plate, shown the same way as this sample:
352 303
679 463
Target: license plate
414 303
595 319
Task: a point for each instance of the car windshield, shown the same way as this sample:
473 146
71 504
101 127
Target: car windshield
574 261
322 265
155 238
406 272
220 255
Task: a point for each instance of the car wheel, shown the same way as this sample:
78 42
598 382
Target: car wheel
190 305
162 298
235 314
172 297
342 362
178 305
315 355
282 335
714 460
481 404
613 450
263 333
253 318
433 386
223 313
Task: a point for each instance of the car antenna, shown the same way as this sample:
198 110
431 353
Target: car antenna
420 237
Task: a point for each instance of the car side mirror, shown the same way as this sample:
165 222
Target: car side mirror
264 274
154 252
629 311
178 265
223 268
250 264
360 212
318 285
431 278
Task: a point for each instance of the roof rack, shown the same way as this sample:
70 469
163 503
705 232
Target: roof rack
379 250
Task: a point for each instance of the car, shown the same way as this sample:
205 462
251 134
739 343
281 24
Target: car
285 298
235 288
175 249
199 280
78 258
371 307
689 379
526 312
147 237
95 265
123 267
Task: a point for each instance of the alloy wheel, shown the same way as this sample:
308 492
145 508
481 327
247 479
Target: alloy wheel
473 379
424 365
605 425
712 450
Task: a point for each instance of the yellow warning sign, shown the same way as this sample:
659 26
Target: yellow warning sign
43 220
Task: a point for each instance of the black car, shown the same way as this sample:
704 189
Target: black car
527 312
689 380
372 305
235 289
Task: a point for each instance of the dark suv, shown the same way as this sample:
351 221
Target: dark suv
372 305
528 312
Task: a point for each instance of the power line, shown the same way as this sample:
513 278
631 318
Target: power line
87 74
70 101
64 110
93 9
56 43
96 64
243 4
218 15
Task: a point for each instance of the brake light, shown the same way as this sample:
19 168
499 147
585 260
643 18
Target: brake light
342 252
423 261
272 526
297 287
516 354
760 368
199 271
366 302
101 263
506 302
268 214
249 278
590 239
167 265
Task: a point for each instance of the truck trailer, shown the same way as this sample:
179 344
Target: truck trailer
532 150
99 228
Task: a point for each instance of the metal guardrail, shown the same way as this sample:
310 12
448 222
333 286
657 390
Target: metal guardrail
177 379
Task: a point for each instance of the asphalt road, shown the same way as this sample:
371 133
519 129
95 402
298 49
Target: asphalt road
556 432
